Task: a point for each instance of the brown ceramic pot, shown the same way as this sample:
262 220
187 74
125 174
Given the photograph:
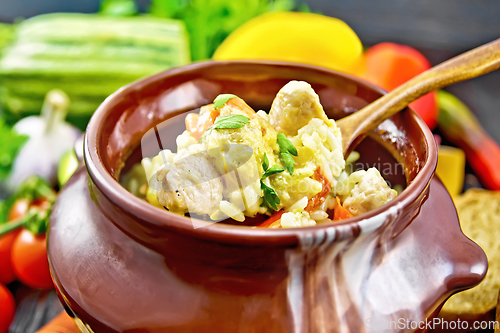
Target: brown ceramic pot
121 265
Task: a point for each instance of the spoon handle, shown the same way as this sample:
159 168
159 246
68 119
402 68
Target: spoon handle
476 62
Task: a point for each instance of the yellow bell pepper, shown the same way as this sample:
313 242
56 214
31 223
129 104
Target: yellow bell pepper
296 37
451 168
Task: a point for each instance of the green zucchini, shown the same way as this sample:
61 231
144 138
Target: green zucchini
88 56
13 64
35 88
118 52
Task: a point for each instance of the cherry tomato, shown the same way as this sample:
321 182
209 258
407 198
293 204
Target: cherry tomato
6 271
18 209
29 260
389 65
7 275
7 308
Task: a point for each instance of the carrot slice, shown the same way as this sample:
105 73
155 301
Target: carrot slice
192 122
197 124
240 104
319 198
273 221
340 213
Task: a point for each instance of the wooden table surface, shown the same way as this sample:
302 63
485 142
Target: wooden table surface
34 308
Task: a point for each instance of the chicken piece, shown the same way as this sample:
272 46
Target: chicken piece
370 192
191 184
294 106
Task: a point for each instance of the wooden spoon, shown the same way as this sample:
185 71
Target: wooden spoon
476 62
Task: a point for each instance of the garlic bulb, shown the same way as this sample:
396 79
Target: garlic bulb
49 138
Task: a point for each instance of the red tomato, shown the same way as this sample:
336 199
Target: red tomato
29 260
7 308
389 65
6 271
18 209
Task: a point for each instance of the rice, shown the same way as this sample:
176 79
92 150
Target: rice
319 215
232 211
298 219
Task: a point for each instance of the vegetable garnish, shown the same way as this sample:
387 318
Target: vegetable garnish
271 198
265 162
11 144
228 122
286 151
270 171
222 99
273 170
232 121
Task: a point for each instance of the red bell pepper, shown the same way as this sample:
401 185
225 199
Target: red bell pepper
389 65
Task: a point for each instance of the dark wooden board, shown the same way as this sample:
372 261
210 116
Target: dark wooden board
34 308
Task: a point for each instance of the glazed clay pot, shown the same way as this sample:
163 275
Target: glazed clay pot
120 264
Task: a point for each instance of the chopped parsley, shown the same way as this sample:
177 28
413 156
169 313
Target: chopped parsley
228 122
286 151
271 198
232 121
265 162
273 170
